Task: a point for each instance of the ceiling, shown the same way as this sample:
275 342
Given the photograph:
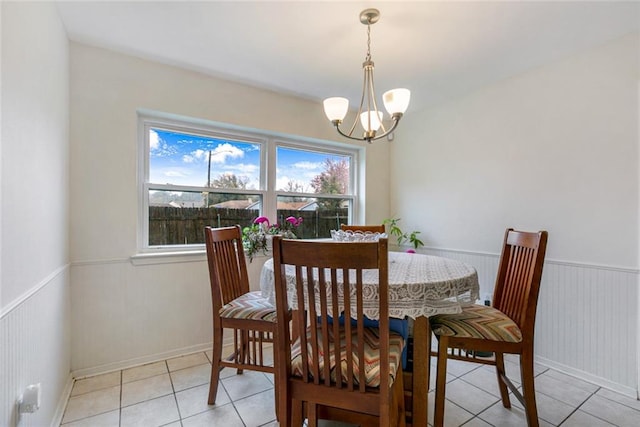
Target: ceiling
438 49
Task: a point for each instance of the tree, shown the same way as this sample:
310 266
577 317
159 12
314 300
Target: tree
333 180
230 180
293 187
226 180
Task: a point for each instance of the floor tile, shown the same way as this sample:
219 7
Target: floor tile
576 382
458 368
616 413
454 415
144 371
191 377
619 398
193 401
187 361
476 422
483 379
559 388
499 416
582 419
146 389
255 410
469 397
92 403
97 382
108 419
150 396
550 409
224 415
250 382
155 412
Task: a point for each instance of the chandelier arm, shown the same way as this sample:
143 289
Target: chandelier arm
337 125
385 133
396 119
372 94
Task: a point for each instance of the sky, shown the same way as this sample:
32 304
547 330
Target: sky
181 159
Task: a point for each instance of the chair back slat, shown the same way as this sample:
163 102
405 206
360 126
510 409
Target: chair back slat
329 283
519 273
227 264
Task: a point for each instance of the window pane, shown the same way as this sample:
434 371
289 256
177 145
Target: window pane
319 215
302 171
179 217
193 160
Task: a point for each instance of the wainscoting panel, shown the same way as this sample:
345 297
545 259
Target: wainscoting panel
35 348
125 315
587 319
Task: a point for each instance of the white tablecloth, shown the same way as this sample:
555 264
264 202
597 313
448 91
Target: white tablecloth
419 285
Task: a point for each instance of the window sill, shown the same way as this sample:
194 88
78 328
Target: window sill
150 258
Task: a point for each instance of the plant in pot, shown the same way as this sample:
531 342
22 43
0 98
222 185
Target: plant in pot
401 236
257 237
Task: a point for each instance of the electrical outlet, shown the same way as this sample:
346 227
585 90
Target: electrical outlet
29 402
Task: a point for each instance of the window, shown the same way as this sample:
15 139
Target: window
196 174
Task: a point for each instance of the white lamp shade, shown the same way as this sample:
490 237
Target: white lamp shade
396 100
336 108
375 121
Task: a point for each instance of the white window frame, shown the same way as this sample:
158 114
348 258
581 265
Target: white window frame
269 142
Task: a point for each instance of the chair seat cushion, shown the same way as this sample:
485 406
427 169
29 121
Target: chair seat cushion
477 321
371 355
249 306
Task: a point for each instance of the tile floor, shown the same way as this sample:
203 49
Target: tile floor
174 393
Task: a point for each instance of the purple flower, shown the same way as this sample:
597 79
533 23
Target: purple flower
411 251
294 221
261 219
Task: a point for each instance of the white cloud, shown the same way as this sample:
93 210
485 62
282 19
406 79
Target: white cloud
154 140
224 151
218 155
195 155
244 168
307 165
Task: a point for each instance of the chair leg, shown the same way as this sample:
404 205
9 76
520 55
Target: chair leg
296 413
504 393
441 379
399 416
528 388
243 349
312 414
215 365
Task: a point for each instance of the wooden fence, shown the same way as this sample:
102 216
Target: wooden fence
181 226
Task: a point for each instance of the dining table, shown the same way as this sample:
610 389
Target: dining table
419 286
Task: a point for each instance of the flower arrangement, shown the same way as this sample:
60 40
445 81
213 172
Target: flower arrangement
254 238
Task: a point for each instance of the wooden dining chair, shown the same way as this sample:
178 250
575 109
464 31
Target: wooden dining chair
251 318
363 228
505 327
349 371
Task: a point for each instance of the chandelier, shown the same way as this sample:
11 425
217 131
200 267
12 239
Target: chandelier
371 118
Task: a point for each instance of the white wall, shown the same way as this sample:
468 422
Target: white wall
556 149
34 276
123 313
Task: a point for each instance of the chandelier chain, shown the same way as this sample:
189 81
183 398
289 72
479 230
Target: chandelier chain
368 58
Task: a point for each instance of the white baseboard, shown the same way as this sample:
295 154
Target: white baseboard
62 402
130 363
586 376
